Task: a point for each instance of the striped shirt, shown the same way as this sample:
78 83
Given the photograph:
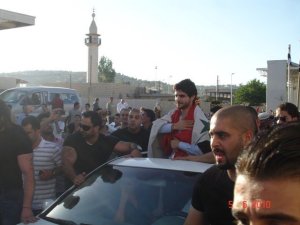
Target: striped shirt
46 156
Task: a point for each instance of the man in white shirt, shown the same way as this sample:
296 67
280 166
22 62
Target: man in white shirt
122 105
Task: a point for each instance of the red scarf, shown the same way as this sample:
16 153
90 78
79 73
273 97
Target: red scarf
181 135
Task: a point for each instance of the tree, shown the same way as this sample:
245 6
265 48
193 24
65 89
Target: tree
105 71
254 93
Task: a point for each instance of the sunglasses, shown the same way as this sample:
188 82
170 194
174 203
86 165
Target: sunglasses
85 127
281 118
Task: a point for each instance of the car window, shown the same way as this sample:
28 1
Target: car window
66 97
13 96
128 195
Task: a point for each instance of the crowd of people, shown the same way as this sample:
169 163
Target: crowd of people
45 154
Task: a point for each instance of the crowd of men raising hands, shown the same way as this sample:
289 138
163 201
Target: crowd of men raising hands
72 147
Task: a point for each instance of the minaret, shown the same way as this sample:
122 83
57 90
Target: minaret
92 41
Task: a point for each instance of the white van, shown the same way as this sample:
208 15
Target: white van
37 96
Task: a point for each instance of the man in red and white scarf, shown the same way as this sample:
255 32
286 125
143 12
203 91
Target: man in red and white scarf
184 130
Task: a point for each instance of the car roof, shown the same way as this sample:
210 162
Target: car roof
44 88
166 164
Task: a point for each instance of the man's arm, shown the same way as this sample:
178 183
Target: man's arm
194 217
191 149
130 148
26 167
69 157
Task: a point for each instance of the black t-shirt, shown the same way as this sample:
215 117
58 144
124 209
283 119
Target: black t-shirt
141 138
13 142
89 157
212 194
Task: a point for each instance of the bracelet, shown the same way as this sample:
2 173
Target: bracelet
26 207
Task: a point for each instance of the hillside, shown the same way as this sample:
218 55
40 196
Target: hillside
39 77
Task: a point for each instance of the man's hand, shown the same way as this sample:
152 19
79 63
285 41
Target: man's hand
55 114
183 125
79 179
46 174
174 143
27 216
135 153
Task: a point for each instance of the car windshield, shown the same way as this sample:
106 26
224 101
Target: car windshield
12 96
127 196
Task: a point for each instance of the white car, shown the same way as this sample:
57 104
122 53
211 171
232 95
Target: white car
129 191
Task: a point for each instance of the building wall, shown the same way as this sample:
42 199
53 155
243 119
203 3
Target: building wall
276 83
8 82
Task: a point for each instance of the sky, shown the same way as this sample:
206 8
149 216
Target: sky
196 39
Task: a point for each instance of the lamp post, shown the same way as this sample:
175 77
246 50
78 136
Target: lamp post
231 88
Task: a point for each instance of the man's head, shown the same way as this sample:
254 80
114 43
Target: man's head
87 106
266 120
268 178
231 128
31 126
90 124
134 120
76 105
45 125
124 117
117 119
103 114
286 112
148 116
111 99
185 93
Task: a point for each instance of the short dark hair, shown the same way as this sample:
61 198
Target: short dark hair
33 121
96 119
187 86
215 108
290 108
150 113
275 154
243 118
43 115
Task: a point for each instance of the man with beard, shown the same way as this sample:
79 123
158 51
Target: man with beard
184 130
231 129
87 149
134 132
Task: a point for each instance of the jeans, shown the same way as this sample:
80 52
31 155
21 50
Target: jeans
11 202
